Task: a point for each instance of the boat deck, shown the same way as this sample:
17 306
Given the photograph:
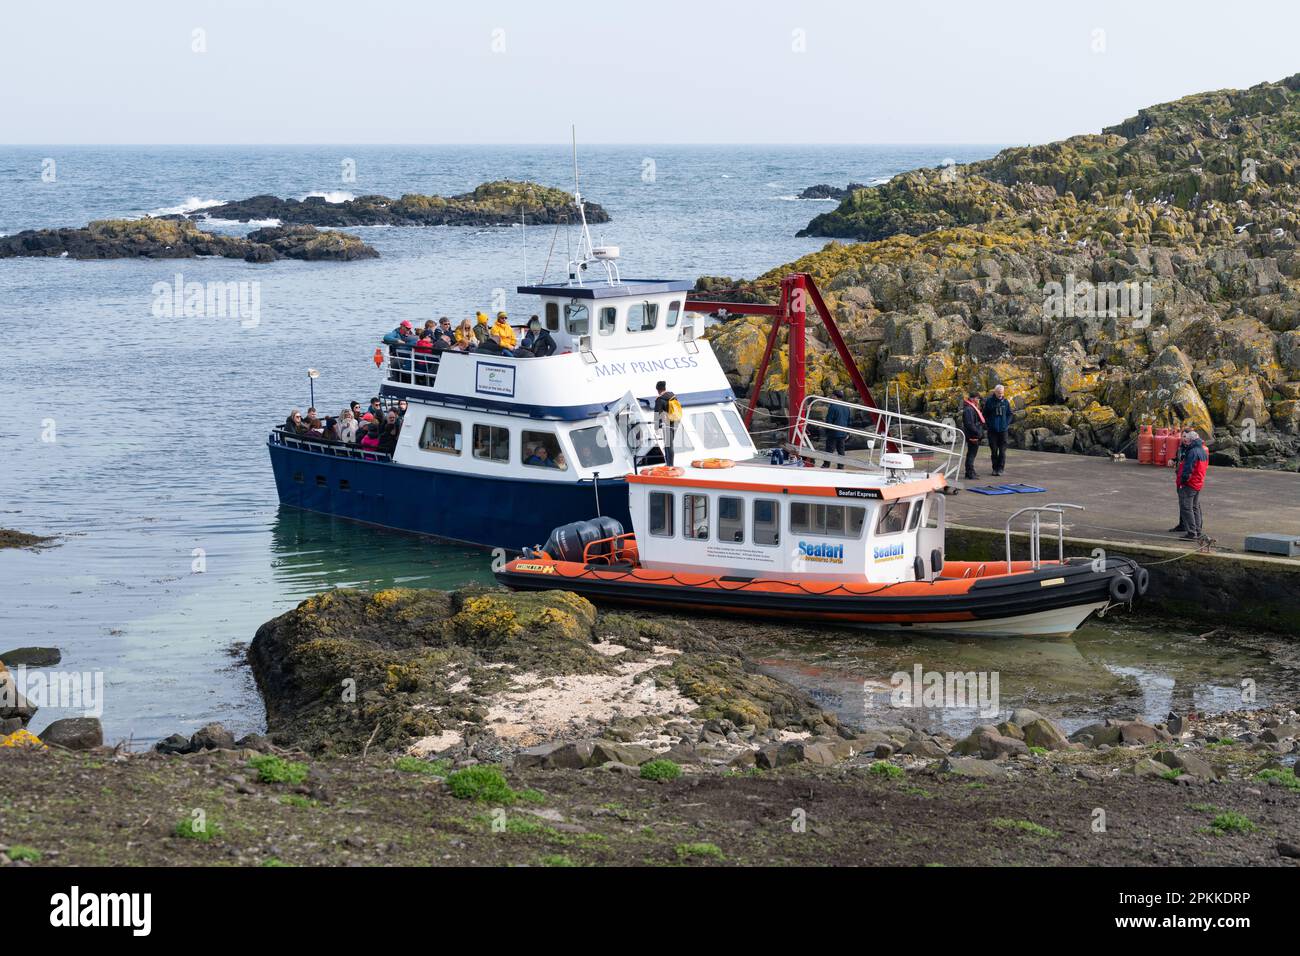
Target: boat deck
1132 504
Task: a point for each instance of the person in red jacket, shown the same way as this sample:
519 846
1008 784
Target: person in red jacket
1189 479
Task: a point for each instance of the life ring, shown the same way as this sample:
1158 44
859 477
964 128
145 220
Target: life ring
1121 588
1143 578
712 463
664 471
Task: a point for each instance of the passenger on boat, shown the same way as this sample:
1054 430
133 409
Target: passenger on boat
972 425
315 429
504 331
668 414
538 340
465 339
400 341
345 429
838 417
369 439
492 344
480 327
444 337
423 357
376 410
295 424
401 409
388 436
541 458
356 410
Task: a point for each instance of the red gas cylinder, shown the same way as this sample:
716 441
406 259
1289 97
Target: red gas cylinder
1146 451
1160 452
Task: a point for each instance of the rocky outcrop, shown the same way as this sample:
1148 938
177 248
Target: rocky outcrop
1146 275
824 191
180 239
491 204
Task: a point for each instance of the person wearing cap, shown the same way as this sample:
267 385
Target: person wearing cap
972 426
504 332
537 340
1189 479
400 342
480 327
295 424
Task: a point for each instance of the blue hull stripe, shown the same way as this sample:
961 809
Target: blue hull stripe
510 513
568 413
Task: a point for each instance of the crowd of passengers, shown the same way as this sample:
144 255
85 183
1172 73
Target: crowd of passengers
497 338
374 429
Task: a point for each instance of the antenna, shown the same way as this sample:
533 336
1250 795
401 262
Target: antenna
585 251
523 237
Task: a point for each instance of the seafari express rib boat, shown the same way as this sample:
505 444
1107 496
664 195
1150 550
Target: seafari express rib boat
861 547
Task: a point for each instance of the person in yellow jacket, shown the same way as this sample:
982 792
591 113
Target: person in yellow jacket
505 333
480 327
465 338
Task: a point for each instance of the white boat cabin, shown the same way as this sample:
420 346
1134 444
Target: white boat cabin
774 521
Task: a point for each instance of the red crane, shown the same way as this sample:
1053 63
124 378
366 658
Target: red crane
792 311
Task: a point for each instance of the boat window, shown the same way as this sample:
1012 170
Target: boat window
933 511
553 316
642 317
674 312
591 446
577 319
607 318
695 516
491 442
442 435
541 450
767 521
737 426
840 521
661 514
708 430
893 517
731 520
915 519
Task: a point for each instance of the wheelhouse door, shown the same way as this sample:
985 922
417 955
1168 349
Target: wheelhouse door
929 535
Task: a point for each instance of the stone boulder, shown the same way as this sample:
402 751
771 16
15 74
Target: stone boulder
74 733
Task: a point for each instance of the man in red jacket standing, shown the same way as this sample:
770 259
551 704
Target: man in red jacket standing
1189 479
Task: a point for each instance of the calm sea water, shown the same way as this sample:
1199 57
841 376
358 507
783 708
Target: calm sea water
140 441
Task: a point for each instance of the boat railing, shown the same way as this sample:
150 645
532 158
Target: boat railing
617 549
1035 531
408 365
326 446
883 431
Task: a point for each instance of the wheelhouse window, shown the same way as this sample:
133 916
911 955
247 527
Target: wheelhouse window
674 313
836 521
552 316
695 516
893 517
491 443
541 450
933 511
642 317
731 519
708 430
608 320
577 320
591 446
737 426
661 514
915 519
440 435
767 521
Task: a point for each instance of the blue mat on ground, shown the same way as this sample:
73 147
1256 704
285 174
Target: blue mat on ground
1023 489
991 490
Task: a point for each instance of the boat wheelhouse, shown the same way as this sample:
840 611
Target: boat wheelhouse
861 547
497 450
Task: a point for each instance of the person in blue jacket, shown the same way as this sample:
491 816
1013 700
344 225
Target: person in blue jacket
538 340
401 341
997 419
837 416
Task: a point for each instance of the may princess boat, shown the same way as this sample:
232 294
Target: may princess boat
862 547
461 469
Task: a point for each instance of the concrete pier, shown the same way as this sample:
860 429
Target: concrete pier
1129 508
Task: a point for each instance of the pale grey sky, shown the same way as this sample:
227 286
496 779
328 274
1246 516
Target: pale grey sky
648 71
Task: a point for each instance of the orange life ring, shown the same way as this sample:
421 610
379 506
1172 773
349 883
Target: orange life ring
664 471
712 463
